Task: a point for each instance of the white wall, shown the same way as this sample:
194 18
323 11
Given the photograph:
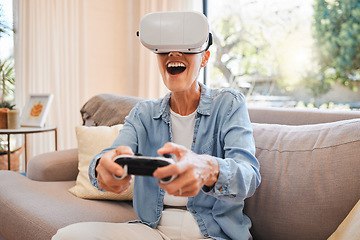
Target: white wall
107 71
116 61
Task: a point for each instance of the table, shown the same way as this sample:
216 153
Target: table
25 131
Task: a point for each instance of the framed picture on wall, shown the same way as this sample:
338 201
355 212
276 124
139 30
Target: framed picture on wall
35 110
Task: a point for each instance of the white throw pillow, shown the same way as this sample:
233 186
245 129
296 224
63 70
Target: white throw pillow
349 228
91 140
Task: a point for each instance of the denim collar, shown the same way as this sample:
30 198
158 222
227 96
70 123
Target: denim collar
204 107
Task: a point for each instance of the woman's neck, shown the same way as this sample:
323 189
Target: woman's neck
186 102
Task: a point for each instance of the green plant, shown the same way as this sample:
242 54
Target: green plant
6 104
4 28
337 32
7 78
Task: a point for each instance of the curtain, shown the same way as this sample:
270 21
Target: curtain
49 59
58 50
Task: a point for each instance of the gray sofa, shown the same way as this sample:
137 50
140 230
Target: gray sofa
310 177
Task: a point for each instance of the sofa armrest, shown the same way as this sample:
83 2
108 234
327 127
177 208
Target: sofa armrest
54 166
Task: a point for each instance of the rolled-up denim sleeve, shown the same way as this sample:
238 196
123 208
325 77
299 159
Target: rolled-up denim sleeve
239 174
127 137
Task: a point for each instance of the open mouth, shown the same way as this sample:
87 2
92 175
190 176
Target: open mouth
175 68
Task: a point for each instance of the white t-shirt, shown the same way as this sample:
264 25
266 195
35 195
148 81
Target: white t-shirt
182 131
182 128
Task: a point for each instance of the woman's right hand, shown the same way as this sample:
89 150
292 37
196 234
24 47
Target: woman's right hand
107 168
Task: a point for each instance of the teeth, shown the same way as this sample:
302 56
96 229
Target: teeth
176 64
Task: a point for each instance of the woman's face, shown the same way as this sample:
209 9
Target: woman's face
179 71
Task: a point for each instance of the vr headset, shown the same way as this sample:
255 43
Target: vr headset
164 32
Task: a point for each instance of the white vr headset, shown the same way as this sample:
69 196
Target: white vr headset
164 32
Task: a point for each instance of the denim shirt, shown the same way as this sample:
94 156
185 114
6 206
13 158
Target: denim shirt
223 130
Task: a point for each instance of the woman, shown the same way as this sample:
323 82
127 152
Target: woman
209 134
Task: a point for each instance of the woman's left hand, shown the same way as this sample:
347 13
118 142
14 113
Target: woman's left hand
193 171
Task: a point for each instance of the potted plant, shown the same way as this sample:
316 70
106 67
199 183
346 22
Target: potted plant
7 83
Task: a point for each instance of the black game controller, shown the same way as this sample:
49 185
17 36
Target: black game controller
143 166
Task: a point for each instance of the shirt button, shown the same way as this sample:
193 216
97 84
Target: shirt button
194 141
206 235
221 189
194 212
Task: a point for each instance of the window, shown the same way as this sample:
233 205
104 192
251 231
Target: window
7 78
268 50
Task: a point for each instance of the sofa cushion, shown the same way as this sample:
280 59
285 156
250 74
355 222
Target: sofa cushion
36 210
91 140
310 179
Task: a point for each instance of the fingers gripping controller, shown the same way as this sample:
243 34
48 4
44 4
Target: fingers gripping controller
124 175
143 166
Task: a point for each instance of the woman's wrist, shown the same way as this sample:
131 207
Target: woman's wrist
213 171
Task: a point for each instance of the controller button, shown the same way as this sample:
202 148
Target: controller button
167 155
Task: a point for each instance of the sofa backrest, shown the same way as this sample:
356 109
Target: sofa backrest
298 116
107 109
111 109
